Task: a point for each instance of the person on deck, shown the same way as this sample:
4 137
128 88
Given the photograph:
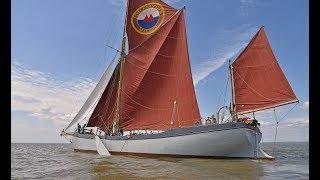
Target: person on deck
213 119
254 123
79 127
82 129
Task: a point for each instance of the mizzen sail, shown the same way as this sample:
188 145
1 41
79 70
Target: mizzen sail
259 82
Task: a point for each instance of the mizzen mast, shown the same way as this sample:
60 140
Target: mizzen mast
232 104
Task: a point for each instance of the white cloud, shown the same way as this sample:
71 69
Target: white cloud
46 98
246 5
27 133
285 133
230 48
305 105
118 3
296 121
292 129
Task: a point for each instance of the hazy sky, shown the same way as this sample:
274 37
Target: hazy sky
59 53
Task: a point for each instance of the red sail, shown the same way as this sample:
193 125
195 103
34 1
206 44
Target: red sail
157 90
104 112
135 38
259 82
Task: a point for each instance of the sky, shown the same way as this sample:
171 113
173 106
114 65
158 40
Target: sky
59 52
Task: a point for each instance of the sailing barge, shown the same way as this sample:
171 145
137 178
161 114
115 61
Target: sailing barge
150 89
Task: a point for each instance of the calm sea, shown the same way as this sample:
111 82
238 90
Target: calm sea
58 161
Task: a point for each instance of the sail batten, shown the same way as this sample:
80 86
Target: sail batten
259 82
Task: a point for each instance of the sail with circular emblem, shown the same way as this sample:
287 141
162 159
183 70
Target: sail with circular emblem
153 87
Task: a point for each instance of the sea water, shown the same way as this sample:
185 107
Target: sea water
59 161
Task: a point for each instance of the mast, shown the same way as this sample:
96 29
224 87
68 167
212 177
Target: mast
115 126
232 111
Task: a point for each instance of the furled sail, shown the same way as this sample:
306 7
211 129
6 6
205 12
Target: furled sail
156 88
94 96
258 80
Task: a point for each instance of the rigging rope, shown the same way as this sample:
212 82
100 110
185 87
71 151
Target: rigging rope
101 116
277 125
110 34
253 88
225 93
145 69
67 138
288 112
275 136
158 53
165 23
153 72
106 56
87 113
160 109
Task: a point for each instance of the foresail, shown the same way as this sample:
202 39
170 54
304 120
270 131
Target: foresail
104 112
94 96
259 82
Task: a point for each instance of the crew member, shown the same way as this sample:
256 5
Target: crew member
79 127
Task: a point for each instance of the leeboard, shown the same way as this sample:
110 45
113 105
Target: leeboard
101 148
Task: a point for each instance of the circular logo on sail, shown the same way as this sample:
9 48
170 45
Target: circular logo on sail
147 18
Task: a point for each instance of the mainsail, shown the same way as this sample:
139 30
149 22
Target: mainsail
258 81
156 90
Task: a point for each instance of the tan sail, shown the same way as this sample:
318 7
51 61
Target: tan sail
156 90
258 80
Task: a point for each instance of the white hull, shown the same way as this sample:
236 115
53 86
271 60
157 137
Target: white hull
239 142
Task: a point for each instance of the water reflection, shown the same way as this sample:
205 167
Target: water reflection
176 168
